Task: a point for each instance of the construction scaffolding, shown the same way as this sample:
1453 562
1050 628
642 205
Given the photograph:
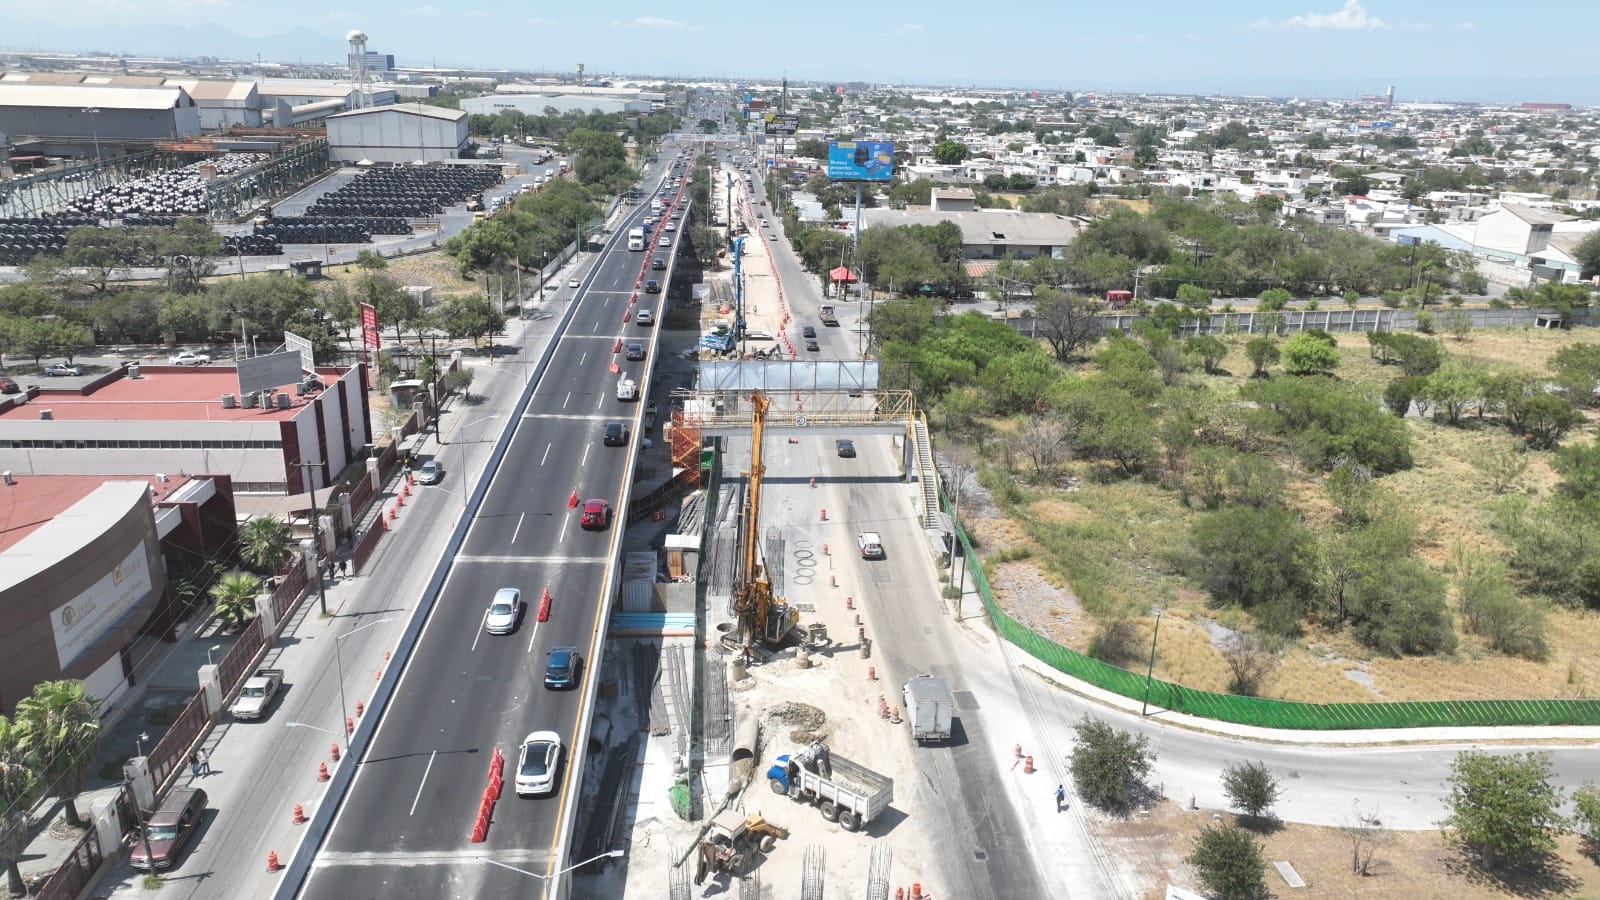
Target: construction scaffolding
727 412
686 442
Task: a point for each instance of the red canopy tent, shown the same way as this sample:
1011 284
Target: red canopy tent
841 274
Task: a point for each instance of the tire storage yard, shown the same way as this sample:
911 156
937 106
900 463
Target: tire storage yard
235 193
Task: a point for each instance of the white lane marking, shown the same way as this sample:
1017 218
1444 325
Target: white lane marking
585 461
509 560
584 358
422 782
570 417
563 538
546 451
535 635
566 401
480 629
518 529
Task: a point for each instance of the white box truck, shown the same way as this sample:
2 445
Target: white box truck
929 708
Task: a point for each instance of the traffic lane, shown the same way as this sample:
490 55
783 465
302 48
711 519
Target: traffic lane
419 784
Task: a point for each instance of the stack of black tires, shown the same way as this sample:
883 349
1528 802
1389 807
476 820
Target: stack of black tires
405 191
21 239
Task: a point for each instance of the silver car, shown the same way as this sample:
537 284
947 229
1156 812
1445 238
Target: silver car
537 763
504 611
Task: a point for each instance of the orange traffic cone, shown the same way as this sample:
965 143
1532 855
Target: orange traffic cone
299 815
272 861
322 771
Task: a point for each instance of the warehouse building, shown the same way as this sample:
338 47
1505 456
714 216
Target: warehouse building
223 103
73 120
403 133
539 104
182 420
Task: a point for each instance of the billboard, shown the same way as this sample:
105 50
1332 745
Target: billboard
785 125
369 325
860 160
262 373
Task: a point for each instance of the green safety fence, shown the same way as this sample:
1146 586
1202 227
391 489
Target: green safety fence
1263 712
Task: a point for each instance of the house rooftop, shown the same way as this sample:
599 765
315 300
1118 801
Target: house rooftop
161 393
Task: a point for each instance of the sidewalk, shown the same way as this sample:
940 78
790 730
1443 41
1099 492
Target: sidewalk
261 769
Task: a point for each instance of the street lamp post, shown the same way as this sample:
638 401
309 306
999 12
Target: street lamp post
1144 708
94 129
210 650
466 464
338 662
316 534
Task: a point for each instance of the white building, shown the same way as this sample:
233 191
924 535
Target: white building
402 133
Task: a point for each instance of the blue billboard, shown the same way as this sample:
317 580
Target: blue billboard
860 160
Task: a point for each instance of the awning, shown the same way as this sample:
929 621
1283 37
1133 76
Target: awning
841 274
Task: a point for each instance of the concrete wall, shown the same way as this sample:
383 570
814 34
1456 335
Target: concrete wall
122 526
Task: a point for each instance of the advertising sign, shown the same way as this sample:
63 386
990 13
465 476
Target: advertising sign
263 373
860 160
369 325
80 624
778 123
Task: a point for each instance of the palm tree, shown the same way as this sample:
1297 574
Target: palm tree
20 788
264 544
60 729
235 596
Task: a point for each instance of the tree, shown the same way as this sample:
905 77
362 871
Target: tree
1273 299
264 544
949 153
368 261
1194 296
1586 811
1251 788
1367 836
1066 321
1308 354
1587 253
1108 764
811 149
470 316
1210 349
1356 185
1544 419
1228 861
20 788
235 597
1250 659
1262 352
459 379
60 730
1490 606
1452 387
1260 559
1577 369
1503 806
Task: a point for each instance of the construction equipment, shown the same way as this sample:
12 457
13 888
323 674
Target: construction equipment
731 842
761 615
845 792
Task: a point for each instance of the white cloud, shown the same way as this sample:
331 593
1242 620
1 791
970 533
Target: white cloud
422 11
537 22
1194 36
658 22
1464 26
912 28
1351 17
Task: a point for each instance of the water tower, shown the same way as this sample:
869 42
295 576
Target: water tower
358 66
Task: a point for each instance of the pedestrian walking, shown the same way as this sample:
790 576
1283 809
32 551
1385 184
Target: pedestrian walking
344 567
1061 797
204 760
194 764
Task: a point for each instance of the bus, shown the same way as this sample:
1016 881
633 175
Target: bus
635 238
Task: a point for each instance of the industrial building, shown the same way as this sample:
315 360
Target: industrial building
76 120
538 104
83 572
398 134
223 102
175 419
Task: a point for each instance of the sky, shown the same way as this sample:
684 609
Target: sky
1462 49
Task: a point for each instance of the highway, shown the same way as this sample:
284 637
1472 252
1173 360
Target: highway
403 828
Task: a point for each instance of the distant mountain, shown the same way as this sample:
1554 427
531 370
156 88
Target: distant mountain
296 46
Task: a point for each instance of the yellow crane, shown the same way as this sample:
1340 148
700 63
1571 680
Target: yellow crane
761 615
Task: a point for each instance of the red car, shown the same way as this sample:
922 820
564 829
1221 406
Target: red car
596 515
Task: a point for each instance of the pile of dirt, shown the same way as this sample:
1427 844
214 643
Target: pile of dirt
807 723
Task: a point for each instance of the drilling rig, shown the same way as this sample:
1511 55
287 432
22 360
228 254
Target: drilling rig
761 615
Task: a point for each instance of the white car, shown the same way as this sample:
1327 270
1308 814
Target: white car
190 358
504 610
573 283
645 317
537 763
871 545
62 369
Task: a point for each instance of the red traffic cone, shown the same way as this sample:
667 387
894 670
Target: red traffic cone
572 501
299 815
272 861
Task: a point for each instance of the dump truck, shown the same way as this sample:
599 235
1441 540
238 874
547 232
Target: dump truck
731 842
929 708
828 316
845 792
257 693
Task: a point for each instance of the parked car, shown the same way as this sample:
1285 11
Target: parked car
615 435
561 669
62 369
504 611
634 351
7 386
432 472
846 448
537 763
190 358
596 515
169 829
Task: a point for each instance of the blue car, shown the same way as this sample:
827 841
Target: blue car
561 671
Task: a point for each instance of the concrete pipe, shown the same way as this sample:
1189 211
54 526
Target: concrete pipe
746 734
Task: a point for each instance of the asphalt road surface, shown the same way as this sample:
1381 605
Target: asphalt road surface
403 829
